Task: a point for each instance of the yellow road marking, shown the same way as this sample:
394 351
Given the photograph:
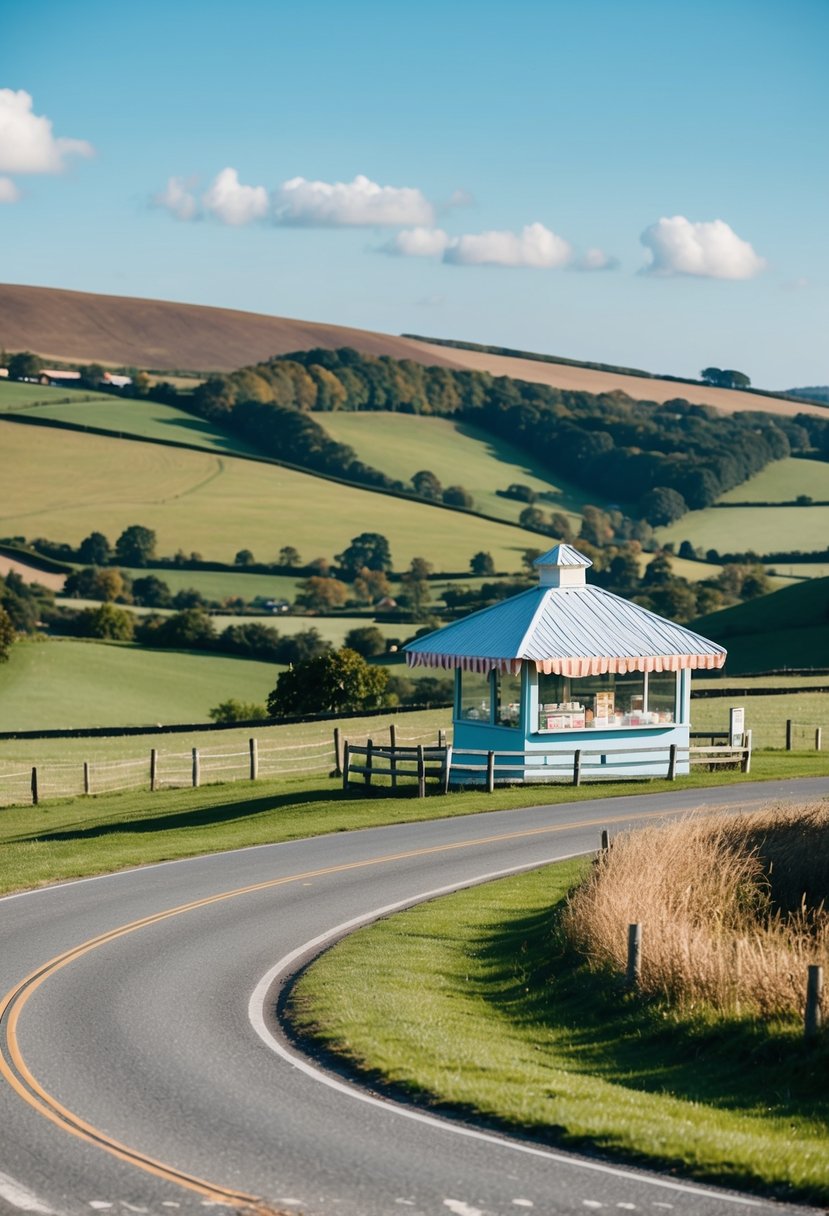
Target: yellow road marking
27 1087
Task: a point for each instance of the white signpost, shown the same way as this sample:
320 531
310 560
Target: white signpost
736 727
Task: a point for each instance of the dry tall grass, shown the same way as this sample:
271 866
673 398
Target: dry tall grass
733 908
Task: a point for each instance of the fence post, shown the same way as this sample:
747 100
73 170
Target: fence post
814 989
447 767
346 762
86 776
746 765
196 767
577 766
490 772
788 734
441 738
35 795
605 840
393 754
672 762
818 736
254 758
153 768
392 735
421 772
338 768
634 967
369 760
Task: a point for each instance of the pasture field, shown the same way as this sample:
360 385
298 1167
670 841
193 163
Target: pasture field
142 419
64 485
475 1002
15 395
400 445
799 570
759 529
220 585
783 481
766 717
70 682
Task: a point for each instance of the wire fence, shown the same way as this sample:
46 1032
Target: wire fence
159 769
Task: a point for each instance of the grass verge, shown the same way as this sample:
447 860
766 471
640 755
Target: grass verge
472 1004
78 837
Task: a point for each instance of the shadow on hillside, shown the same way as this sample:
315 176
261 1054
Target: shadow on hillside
198 817
204 430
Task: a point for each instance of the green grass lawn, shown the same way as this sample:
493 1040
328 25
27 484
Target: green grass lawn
73 683
400 445
63 485
473 1003
783 481
784 629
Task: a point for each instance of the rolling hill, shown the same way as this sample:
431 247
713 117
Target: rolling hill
789 628
166 336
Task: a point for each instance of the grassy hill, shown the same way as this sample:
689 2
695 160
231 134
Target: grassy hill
167 336
763 528
64 485
72 683
789 628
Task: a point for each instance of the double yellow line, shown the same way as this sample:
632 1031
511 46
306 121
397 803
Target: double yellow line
15 1070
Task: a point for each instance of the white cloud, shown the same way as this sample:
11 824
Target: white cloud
596 259
232 203
460 198
361 203
710 249
534 246
418 243
9 192
27 144
178 199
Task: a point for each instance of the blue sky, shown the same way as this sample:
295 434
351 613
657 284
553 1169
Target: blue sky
513 155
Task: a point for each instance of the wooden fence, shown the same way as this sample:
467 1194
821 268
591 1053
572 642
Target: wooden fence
510 767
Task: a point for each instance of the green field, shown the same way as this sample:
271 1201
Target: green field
72 683
756 529
64 485
400 445
123 416
18 396
473 1003
783 481
799 570
785 629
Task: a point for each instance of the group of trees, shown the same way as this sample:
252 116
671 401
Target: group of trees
725 379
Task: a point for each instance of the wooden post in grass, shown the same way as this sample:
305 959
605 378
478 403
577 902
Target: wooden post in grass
346 762
253 748
577 766
153 768
634 967
369 760
441 738
814 989
818 736
605 840
338 768
35 795
746 764
86 776
196 767
393 754
672 762
788 734
421 772
490 772
392 735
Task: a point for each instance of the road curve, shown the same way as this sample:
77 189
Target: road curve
143 1069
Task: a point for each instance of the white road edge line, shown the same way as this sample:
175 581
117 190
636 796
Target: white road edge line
19 1197
256 1015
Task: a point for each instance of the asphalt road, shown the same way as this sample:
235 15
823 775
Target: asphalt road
144 1069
